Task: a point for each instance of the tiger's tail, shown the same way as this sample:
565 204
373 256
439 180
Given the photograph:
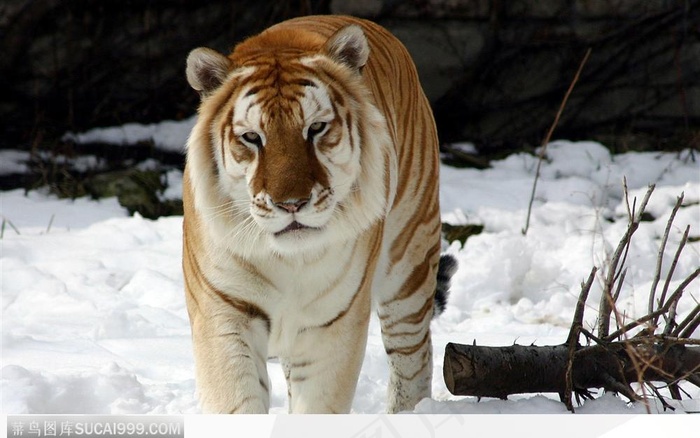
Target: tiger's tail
447 266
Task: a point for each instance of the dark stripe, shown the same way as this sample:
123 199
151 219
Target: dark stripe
264 385
249 309
363 283
399 246
387 179
406 351
247 110
335 95
413 318
304 83
338 279
232 334
339 87
341 314
192 262
254 90
349 124
417 276
245 307
324 195
425 360
244 264
208 116
240 404
223 147
400 334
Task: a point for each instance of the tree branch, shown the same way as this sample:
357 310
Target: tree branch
674 296
548 137
572 339
606 300
671 319
686 328
660 257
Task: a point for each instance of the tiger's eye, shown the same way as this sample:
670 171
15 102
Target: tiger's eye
315 128
252 137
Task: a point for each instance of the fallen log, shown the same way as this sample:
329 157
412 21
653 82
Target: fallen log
501 371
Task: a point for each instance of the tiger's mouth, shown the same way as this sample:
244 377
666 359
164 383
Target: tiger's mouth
294 227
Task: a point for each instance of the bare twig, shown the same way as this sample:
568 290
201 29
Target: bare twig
660 311
620 387
625 190
48 227
606 300
695 380
689 324
660 257
615 275
6 221
661 339
572 340
592 337
577 321
620 283
671 319
640 365
672 389
548 137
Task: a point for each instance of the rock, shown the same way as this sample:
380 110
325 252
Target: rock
137 191
358 8
460 233
495 72
441 50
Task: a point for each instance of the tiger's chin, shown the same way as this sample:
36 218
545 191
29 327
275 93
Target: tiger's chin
296 230
298 238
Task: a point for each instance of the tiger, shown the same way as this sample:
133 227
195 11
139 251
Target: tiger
310 196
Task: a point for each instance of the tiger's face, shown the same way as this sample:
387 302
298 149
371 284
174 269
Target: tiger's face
294 149
286 137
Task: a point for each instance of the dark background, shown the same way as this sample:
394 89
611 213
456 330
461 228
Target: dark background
494 71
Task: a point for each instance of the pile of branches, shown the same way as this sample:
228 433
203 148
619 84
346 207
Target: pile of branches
656 350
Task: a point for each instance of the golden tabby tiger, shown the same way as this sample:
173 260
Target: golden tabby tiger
311 190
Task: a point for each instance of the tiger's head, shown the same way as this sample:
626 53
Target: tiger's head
288 152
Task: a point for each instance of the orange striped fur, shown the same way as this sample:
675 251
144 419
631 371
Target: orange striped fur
310 191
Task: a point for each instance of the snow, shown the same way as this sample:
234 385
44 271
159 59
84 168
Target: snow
168 135
94 318
12 161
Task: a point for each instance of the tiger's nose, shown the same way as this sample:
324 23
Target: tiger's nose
293 205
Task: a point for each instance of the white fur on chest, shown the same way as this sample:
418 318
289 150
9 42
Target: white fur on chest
297 293
310 292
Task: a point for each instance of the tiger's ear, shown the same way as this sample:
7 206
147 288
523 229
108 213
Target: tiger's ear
348 46
206 69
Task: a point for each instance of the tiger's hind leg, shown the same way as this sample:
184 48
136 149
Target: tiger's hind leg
409 353
405 323
405 309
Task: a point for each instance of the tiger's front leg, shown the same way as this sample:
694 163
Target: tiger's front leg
322 373
230 351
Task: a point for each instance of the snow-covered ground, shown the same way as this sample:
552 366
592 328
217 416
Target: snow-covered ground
94 319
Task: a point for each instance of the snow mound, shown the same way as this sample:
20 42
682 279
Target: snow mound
168 135
94 317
